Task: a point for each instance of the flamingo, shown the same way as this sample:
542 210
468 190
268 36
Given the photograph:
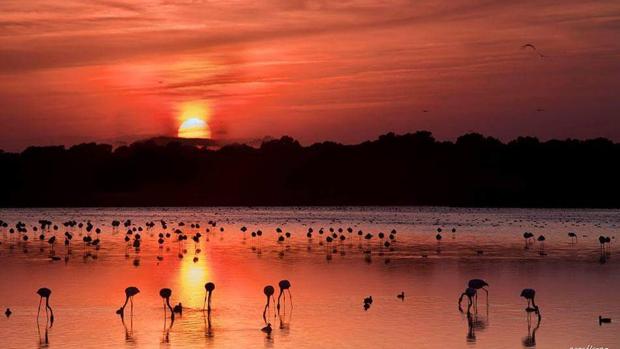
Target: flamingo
285 285
45 292
530 294
573 237
209 287
478 284
165 294
129 293
268 291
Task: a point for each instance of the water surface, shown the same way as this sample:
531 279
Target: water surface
329 280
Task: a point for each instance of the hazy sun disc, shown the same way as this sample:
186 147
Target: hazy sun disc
194 128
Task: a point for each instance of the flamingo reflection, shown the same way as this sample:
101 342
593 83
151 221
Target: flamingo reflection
529 341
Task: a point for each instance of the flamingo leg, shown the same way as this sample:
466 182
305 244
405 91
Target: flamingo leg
204 303
279 296
39 310
290 297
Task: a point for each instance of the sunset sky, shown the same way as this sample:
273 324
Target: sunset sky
118 70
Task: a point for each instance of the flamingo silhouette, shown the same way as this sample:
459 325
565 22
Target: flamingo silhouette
129 293
529 294
573 237
165 294
479 284
268 291
209 287
285 285
45 292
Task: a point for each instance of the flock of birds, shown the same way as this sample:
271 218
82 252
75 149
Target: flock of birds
166 294
332 239
46 232
471 293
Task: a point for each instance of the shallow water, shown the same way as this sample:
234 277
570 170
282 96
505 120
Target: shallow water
329 281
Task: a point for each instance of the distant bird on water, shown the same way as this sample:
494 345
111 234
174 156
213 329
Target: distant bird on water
267 329
367 302
401 295
603 320
573 237
8 312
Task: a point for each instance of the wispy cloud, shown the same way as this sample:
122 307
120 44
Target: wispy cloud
264 66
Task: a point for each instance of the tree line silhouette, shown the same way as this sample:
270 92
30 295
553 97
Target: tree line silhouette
409 169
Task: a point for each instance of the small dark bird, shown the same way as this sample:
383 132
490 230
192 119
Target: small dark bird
8 312
267 329
401 296
603 320
178 309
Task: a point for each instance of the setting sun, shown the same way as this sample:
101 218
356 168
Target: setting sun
193 121
194 128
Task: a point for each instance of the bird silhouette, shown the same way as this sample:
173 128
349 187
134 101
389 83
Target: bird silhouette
479 284
8 312
165 294
130 292
284 285
267 329
573 237
268 291
209 287
529 294
401 295
45 292
603 320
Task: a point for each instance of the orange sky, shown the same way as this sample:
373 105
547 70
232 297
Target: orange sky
114 70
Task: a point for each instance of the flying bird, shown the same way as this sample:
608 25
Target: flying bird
533 48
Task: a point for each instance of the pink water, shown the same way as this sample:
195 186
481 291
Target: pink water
328 286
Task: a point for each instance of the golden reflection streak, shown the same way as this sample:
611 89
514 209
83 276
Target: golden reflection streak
192 278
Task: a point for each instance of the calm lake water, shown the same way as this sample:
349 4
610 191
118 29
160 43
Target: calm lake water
329 280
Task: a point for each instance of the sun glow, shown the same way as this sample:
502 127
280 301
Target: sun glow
193 121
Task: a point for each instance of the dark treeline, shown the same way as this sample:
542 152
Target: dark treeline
411 169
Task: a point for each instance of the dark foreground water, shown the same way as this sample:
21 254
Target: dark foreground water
329 279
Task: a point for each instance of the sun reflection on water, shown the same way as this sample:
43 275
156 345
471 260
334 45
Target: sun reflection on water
192 276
